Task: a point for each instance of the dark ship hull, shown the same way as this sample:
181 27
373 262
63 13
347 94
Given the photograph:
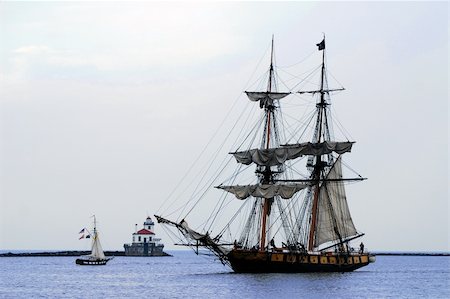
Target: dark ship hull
91 262
244 261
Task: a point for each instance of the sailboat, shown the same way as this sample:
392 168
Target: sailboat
315 228
97 256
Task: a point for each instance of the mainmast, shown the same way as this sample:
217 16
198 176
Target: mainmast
318 138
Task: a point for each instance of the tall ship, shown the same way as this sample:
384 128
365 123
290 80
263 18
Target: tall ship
294 220
97 256
144 241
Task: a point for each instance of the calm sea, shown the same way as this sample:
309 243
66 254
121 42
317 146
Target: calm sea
186 275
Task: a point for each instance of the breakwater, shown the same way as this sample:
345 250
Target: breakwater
65 253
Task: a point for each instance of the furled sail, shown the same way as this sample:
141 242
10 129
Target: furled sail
265 98
205 239
285 191
277 156
334 221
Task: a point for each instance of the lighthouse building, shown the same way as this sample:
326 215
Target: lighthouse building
145 242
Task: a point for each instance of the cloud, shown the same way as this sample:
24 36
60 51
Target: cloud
33 49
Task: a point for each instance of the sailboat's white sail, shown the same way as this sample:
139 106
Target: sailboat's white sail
285 191
277 156
97 250
334 221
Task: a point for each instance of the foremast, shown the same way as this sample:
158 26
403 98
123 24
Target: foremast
267 175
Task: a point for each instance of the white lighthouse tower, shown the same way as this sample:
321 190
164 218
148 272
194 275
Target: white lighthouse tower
149 224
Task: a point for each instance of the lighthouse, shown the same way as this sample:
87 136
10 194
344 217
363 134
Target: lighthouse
144 241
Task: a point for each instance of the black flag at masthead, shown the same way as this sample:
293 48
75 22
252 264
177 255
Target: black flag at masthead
321 45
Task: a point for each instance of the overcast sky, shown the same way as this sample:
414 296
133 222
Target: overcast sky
97 98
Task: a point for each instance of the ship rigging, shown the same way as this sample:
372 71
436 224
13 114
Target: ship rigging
290 224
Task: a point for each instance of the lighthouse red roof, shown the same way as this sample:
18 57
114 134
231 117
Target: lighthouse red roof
145 232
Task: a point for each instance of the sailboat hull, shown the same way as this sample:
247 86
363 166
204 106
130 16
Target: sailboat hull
92 262
243 261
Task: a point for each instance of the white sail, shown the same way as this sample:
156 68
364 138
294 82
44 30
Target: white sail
277 156
334 221
285 191
97 251
265 98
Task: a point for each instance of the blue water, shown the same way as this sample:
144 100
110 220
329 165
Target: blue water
186 275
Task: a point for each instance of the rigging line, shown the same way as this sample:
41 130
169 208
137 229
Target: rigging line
313 115
280 116
237 172
200 155
300 219
275 221
257 124
297 63
212 161
218 207
319 67
224 197
285 223
194 177
227 226
206 187
259 82
215 133
301 76
220 165
301 123
351 169
222 200
287 212
342 86
222 207
300 120
194 193
282 82
171 234
339 125
213 180
295 171
257 66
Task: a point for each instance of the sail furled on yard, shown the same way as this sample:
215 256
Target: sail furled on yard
277 156
285 191
265 99
334 221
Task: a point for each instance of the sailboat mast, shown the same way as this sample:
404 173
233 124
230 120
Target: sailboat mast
318 165
266 202
95 228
